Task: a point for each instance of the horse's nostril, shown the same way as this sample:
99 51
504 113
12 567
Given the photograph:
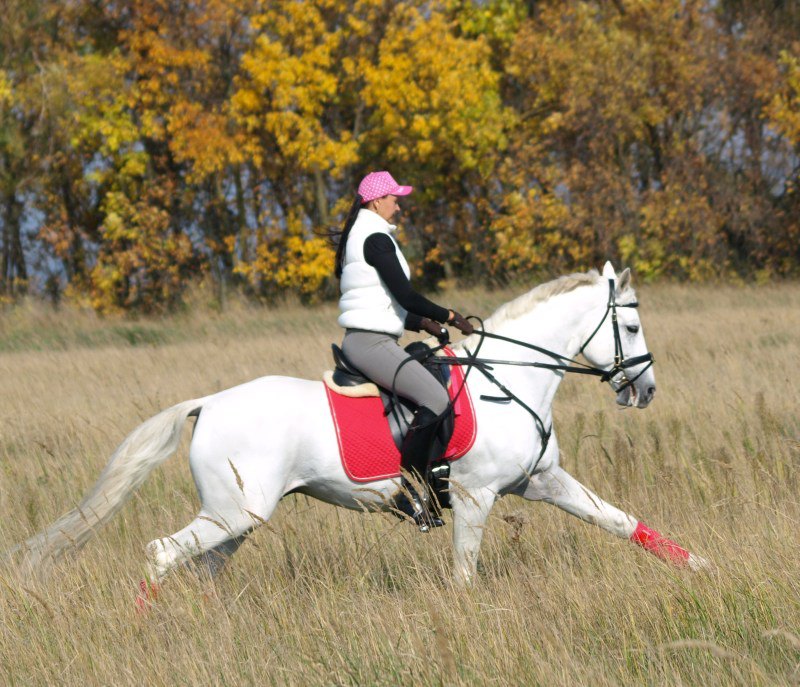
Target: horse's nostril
651 390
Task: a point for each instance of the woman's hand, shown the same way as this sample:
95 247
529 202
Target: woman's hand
461 323
436 329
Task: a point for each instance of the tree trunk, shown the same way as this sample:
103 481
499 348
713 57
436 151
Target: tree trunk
322 199
75 262
244 253
14 274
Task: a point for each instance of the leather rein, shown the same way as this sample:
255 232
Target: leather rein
563 364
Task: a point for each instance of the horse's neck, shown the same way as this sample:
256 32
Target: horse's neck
556 325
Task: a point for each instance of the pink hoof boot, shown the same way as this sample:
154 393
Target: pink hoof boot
148 593
659 545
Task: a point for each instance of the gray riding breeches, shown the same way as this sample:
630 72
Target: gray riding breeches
379 357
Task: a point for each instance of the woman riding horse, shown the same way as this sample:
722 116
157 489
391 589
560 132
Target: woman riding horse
377 304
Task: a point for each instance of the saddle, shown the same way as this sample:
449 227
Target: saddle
398 411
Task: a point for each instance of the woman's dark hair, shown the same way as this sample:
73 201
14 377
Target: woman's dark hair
342 236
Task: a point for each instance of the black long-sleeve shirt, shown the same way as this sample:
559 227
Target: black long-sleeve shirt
380 253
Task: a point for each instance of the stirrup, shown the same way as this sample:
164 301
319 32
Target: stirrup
408 504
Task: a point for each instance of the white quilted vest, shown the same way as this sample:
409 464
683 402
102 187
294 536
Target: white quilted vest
366 303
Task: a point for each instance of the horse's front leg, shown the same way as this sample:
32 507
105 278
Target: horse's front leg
558 487
470 512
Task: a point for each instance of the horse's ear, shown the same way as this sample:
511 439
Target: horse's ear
624 280
608 270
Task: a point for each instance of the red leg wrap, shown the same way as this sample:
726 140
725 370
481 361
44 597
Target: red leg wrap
662 547
148 593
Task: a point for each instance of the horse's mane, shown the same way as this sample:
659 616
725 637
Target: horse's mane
526 302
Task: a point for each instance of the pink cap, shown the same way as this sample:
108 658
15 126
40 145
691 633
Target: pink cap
379 184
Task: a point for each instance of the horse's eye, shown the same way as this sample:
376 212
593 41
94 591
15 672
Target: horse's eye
632 328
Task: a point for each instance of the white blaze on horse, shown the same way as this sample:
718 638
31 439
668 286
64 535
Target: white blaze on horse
259 441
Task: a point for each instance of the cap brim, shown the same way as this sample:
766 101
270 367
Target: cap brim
402 190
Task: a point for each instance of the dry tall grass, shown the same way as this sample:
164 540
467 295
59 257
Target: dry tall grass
322 596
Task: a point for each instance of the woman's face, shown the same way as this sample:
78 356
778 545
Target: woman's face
387 207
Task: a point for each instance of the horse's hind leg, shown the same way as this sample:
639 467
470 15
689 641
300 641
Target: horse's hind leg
212 537
200 537
213 562
558 487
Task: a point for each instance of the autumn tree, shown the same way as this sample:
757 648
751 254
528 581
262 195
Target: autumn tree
782 113
24 41
331 90
438 119
610 95
642 139
146 144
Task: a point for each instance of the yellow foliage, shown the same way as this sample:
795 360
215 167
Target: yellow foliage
285 261
530 235
609 72
291 74
614 100
203 139
679 236
434 94
143 264
6 90
783 110
102 118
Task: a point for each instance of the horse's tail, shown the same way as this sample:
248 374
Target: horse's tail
149 445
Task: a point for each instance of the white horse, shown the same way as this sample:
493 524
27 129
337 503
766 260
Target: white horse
261 440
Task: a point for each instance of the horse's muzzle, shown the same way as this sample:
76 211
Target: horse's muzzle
631 395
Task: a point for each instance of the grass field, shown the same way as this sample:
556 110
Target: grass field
322 596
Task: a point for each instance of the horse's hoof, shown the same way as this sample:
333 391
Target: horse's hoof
699 564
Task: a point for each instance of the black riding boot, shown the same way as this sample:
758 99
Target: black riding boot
414 458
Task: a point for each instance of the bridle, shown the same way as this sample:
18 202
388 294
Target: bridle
616 376
621 364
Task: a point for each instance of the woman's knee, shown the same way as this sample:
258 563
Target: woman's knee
438 402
